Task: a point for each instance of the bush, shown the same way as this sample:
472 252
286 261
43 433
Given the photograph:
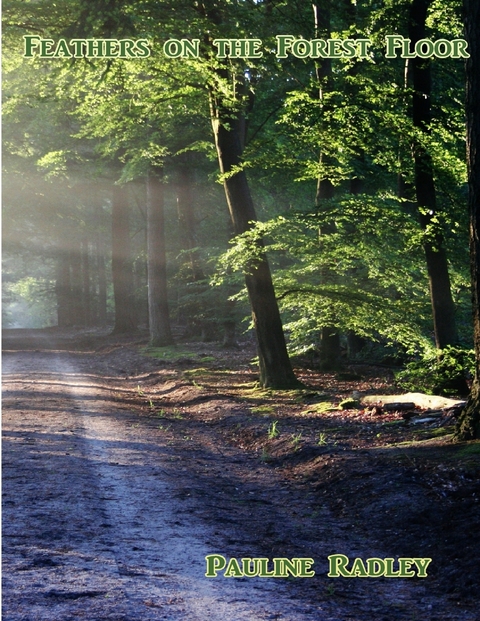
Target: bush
440 372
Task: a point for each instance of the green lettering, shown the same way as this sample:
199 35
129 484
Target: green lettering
46 48
363 47
319 48
79 47
460 49
233 569
349 48
215 562
31 42
264 571
111 48
393 42
253 51
127 47
358 569
173 48
246 567
335 48
420 50
304 565
301 48
94 48
442 48
406 49
375 567
283 43
422 564
283 565
62 50
404 565
221 45
389 573
191 48
143 51
337 566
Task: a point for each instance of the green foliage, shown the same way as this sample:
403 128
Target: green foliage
273 430
439 372
382 289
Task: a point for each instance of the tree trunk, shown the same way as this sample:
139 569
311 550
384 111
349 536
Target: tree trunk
193 314
468 426
158 312
63 290
274 363
76 284
186 215
443 307
87 298
330 337
122 274
102 280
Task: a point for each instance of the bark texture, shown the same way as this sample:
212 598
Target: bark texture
443 307
468 426
275 368
122 274
330 337
158 311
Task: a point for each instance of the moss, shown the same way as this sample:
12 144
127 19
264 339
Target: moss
349 404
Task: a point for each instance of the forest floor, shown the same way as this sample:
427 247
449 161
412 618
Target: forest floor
123 468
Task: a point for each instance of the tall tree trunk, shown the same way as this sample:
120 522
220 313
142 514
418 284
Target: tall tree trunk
158 312
330 337
87 298
275 367
469 424
102 280
122 273
63 290
196 280
443 308
186 214
76 283
186 219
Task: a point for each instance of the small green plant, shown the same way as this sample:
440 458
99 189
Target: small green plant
177 414
296 439
330 589
265 456
140 391
273 430
322 439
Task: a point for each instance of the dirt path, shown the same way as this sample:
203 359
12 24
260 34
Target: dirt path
108 514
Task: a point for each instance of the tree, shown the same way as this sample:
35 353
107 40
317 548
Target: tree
468 426
231 100
158 313
443 308
330 341
122 274
274 363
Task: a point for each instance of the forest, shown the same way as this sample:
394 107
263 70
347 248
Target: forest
241 310
320 200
